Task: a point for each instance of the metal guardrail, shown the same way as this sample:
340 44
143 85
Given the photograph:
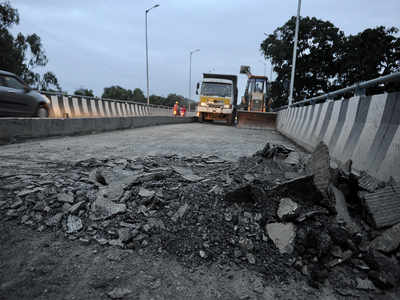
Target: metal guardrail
359 89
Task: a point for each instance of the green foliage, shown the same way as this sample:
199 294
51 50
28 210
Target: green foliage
327 60
119 93
8 15
48 80
84 92
138 95
317 53
370 54
21 54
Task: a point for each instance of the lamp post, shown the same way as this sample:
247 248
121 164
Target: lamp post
296 36
147 53
190 72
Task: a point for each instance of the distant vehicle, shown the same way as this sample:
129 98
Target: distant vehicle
17 99
255 108
255 95
218 98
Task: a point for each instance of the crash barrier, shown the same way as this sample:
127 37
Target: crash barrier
364 129
66 106
27 128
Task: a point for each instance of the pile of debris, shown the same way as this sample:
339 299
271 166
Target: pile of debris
274 212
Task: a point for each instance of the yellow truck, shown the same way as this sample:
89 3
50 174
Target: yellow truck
218 98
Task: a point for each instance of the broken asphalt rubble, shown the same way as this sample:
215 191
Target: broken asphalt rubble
277 211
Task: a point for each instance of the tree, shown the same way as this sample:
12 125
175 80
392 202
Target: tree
370 54
327 60
84 92
20 55
318 51
157 100
138 95
118 93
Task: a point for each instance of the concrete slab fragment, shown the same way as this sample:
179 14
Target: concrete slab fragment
384 206
342 210
282 235
103 207
388 241
320 164
287 208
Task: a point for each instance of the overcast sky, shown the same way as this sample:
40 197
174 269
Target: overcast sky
99 43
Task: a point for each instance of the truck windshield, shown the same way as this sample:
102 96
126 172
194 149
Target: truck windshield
216 89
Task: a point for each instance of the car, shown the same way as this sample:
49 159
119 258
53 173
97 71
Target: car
17 99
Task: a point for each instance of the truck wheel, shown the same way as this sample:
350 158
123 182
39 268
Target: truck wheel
229 120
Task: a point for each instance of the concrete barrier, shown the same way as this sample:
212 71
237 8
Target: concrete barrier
364 129
27 128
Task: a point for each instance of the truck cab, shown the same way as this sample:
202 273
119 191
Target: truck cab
218 98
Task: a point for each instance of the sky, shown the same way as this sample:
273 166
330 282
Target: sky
99 43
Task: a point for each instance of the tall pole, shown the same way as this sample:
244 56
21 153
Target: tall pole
147 62
190 77
296 36
147 53
190 73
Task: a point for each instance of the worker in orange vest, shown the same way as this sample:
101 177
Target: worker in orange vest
176 109
183 111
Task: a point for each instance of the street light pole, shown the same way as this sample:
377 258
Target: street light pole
296 36
190 72
147 53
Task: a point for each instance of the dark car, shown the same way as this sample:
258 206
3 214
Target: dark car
18 100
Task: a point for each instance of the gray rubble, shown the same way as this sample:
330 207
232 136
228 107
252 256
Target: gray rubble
383 205
282 235
119 293
74 224
263 212
287 209
388 241
320 166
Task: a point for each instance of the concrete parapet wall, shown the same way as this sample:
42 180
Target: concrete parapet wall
363 129
27 128
62 106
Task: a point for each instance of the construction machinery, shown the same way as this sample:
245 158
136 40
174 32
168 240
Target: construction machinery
218 98
255 109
